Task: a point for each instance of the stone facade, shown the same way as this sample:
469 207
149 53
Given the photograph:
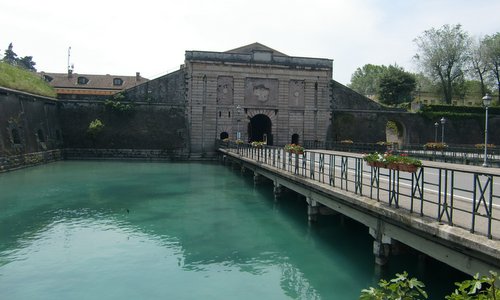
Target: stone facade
28 123
257 92
30 132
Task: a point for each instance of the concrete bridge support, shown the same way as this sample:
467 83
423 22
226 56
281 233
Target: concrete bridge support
277 190
256 178
312 209
381 244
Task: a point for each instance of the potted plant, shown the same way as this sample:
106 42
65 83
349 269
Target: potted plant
481 146
408 164
375 160
257 144
394 162
435 146
294 148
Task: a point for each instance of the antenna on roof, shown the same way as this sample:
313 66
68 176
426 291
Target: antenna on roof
70 67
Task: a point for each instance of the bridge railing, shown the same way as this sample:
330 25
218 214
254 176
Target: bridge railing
463 154
457 195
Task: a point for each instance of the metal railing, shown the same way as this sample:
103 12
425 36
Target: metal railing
457 195
462 154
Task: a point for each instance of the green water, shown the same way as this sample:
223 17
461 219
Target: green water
122 230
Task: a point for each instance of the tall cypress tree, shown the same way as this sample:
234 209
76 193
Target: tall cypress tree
10 56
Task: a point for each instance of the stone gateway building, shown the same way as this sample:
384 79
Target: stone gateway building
252 93
256 93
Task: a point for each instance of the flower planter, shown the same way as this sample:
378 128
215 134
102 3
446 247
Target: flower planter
408 168
392 166
393 162
376 164
294 148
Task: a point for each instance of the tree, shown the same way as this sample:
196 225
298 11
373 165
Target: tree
396 85
442 55
365 80
492 49
10 56
27 63
479 62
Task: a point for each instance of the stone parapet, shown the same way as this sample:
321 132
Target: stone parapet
246 58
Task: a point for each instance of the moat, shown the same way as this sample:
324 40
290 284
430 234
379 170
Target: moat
134 230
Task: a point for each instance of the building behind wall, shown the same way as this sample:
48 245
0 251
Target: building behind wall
258 94
73 86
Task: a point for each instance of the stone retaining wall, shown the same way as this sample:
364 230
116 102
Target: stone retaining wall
125 154
14 162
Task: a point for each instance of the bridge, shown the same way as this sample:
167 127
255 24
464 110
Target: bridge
449 212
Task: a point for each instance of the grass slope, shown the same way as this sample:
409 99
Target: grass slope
18 79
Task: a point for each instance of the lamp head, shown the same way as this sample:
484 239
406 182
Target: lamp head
487 100
443 120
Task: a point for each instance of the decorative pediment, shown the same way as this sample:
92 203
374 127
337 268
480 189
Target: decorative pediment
255 47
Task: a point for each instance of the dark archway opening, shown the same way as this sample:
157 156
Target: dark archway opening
16 139
224 135
295 139
259 129
41 136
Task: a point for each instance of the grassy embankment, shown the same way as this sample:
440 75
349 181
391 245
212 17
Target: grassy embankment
18 79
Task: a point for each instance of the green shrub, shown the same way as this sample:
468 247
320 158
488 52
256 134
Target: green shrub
400 288
404 288
95 127
116 103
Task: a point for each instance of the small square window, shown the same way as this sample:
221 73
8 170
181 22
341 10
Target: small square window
82 80
117 81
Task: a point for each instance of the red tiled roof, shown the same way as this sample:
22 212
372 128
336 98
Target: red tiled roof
62 81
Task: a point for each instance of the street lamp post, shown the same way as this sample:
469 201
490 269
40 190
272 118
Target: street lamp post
436 125
487 103
443 121
238 115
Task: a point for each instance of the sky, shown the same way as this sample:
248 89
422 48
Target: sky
122 37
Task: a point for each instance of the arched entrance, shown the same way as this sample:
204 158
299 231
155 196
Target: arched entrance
224 135
259 128
394 132
295 139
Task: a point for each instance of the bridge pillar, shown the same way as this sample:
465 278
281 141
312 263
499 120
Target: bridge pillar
256 178
277 190
381 245
312 209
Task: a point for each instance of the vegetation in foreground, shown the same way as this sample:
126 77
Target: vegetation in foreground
405 288
22 80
